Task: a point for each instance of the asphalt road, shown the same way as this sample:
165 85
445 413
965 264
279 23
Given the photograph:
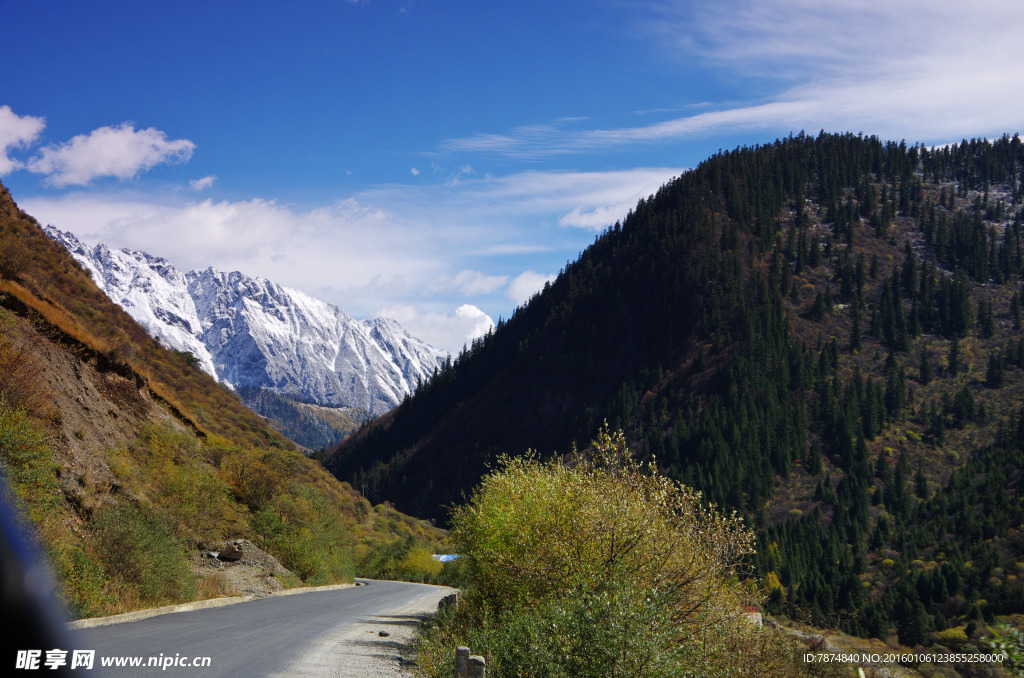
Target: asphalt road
325 633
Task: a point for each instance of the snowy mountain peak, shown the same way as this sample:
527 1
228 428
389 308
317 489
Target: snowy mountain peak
252 332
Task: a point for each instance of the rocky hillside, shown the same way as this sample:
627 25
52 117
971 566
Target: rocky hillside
128 459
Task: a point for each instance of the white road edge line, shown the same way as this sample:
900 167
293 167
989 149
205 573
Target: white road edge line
139 615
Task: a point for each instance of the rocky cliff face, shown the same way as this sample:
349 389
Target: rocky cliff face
251 332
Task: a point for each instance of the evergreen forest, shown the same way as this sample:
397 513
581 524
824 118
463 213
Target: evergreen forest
822 333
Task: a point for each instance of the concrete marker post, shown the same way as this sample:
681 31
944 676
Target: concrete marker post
461 662
477 667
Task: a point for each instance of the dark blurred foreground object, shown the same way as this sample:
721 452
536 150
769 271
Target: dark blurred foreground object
33 618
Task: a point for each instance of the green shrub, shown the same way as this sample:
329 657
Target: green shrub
534 531
139 551
593 635
453 573
601 567
381 558
197 500
84 583
951 637
21 383
306 532
26 453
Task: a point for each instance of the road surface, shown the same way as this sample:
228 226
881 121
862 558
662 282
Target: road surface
330 633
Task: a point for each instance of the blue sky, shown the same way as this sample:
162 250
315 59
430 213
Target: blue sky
437 161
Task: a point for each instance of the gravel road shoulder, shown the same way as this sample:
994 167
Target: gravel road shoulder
360 651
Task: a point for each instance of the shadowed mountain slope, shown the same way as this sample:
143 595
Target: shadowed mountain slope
823 333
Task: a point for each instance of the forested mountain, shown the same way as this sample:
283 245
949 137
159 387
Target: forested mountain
823 333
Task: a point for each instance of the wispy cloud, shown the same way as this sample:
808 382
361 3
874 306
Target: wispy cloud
468 282
808 39
203 183
121 152
921 69
525 142
16 131
567 195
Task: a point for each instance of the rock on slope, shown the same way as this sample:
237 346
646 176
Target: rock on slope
251 332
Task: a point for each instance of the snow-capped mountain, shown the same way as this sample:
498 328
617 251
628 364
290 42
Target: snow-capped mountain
253 332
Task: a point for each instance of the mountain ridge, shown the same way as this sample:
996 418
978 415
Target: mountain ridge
250 332
822 333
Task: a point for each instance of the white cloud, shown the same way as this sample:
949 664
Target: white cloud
447 332
468 282
527 284
928 70
202 184
524 142
809 39
426 245
16 131
121 152
597 218
345 245
591 200
415 172
513 214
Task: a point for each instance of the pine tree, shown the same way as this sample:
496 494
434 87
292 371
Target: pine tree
855 325
985 323
912 625
925 370
994 373
920 483
818 308
953 358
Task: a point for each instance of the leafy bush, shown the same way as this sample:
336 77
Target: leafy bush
26 453
599 633
14 256
20 368
599 566
84 582
307 534
535 531
139 553
256 480
405 559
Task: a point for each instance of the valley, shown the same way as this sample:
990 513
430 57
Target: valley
821 335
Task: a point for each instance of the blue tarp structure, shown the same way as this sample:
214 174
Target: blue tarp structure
445 558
